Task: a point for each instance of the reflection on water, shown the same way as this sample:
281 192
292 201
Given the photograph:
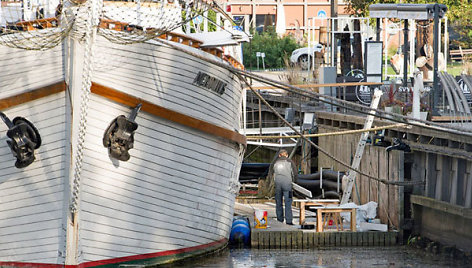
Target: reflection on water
330 257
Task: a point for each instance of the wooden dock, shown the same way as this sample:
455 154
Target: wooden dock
281 236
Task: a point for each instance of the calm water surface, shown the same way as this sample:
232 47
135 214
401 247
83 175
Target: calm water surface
332 257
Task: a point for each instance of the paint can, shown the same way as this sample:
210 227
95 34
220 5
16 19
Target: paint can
260 219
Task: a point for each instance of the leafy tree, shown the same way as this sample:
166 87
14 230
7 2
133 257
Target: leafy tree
275 49
211 17
459 14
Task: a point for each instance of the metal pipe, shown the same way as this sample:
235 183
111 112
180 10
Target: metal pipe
378 29
321 178
405 53
386 48
338 183
6 120
435 72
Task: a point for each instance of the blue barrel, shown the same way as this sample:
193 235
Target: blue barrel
240 231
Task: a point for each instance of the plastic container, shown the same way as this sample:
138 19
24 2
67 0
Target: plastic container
260 219
240 231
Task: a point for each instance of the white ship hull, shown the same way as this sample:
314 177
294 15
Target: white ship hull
174 198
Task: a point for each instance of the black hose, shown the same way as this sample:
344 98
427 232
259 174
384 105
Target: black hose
312 184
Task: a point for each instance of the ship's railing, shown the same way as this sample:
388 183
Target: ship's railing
124 26
180 38
36 24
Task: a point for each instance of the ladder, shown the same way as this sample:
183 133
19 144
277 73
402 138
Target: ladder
360 148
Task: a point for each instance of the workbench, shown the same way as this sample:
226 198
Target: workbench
322 206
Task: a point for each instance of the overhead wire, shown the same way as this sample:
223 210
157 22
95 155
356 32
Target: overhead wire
328 99
320 149
242 74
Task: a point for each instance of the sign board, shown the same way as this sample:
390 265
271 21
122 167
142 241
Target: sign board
263 54
373 61
321 14
258 54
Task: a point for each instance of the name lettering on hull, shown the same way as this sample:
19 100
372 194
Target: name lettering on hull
209 82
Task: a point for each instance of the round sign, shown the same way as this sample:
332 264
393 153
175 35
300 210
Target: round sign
363 93
321 14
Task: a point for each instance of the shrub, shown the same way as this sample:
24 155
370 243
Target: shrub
275 49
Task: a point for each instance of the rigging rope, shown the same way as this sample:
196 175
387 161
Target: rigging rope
241 73
327 99
90 32
304 137
41 26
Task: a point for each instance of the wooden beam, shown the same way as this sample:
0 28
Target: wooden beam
450 118
32 95
131 101
326 85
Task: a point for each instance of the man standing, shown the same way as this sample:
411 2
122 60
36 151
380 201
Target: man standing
284 174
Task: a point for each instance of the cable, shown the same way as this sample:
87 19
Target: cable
337 102
327 99
321 149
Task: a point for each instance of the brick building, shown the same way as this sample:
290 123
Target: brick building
255 13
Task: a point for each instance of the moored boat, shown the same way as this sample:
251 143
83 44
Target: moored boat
124 152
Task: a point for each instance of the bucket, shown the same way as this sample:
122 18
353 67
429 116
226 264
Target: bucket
260 219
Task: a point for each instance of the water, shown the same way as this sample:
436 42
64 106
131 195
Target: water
330 257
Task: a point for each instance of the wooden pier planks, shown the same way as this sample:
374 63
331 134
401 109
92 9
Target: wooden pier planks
306 239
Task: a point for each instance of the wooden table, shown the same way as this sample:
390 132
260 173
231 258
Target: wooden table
320 205
320 211
313 203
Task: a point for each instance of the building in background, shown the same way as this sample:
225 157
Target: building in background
297 13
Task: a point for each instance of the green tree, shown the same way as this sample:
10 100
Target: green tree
276 49
459 14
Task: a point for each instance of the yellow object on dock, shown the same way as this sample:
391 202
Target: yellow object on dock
260 219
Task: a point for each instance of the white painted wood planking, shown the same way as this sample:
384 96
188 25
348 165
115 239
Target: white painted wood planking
129 65
33 197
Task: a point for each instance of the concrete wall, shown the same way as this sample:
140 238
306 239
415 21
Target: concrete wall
441 221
